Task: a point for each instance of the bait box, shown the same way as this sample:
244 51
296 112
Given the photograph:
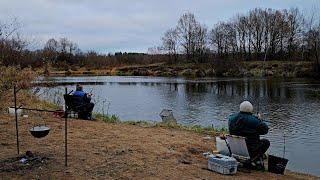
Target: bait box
222 164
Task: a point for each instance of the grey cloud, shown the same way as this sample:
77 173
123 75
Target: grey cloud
125 25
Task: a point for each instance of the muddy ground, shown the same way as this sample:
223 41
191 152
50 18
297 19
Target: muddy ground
99 150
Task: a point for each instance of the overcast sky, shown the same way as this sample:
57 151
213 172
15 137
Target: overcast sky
123 25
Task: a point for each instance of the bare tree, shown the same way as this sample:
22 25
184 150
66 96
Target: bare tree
312 39
241 34
216 39
63 45
11 43
257 24
186 28
295 23
50 50
170 44
313 45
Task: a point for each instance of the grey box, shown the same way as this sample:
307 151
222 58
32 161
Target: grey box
222 164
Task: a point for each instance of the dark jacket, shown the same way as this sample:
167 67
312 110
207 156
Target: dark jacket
81 100
247 125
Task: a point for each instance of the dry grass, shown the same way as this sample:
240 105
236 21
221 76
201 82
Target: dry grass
99 150
10 77
252 68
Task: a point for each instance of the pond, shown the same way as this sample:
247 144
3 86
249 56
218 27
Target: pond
291 106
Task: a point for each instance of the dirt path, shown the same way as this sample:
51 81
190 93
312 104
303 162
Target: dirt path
100 150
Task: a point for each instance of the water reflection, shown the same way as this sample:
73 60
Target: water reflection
291 106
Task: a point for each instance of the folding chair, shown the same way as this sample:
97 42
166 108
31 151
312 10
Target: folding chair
72 108
238 149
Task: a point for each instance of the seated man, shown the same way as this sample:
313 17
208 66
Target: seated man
82 100
251 127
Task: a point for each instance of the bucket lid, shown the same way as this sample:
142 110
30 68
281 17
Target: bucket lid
166 113
40 128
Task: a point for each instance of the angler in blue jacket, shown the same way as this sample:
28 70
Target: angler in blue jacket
251 127
82 100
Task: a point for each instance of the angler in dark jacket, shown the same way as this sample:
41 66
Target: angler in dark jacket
251 127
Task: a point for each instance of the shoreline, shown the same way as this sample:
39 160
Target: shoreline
109 148
276 69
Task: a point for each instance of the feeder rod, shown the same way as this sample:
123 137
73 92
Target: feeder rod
258 106
65 133
284 144
32 109
16 116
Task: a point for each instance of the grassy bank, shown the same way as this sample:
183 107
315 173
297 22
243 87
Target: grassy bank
111 149
99 150
195 128
236 69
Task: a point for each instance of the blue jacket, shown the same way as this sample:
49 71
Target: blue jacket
247 125
79 93
80 98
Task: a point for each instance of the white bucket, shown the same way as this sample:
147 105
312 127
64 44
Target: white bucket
222 147
11 111
167 116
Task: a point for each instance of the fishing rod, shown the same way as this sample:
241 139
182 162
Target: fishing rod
264 120
271 122
258 112
95 83
90 93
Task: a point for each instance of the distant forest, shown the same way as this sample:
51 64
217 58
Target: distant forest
259 35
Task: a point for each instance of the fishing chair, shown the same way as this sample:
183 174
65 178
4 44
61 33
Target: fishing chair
239 150
72 108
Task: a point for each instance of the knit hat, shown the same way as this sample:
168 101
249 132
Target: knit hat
79 87
246 106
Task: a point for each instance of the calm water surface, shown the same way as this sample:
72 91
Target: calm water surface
291 106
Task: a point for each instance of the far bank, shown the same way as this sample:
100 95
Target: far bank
277 69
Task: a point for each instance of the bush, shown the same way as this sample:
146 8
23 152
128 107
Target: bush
226 68
120 73
14 76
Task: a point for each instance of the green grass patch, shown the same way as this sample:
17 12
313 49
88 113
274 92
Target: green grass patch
195 128
107 118
120 73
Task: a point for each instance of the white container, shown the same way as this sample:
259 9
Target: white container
222 164
11 111
167 116
222 147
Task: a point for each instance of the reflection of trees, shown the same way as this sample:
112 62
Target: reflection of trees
193 100
261 90
254 90
196 87
173 86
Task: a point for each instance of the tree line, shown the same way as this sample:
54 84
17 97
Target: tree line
260 34
66 52
61 53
